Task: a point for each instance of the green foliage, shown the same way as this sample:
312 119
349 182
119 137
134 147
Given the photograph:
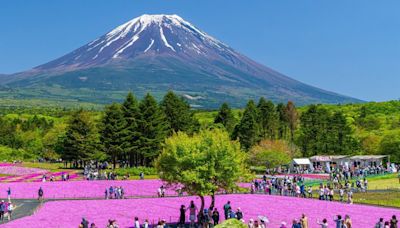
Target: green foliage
390 145
267 118
203 164
247 131
178 114
152 128
232 223
225 117
270 153
113 132
10 154
135 171
80 140
131 111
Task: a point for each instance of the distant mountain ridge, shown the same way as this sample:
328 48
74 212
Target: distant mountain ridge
156 53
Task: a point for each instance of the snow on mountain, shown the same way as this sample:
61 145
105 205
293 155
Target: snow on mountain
157 53
155 34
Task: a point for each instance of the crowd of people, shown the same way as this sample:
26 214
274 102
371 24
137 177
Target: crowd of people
114 192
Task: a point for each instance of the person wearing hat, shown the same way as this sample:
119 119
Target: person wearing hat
283 225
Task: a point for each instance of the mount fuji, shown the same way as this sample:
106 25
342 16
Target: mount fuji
156 53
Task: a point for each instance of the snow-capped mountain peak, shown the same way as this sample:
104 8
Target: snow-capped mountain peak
145 35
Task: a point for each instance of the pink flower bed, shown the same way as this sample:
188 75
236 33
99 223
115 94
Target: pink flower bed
6 164
277 209
18 170
81 189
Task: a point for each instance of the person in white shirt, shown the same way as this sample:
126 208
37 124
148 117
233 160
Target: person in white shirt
137 224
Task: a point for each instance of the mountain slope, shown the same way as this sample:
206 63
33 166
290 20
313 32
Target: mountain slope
155 53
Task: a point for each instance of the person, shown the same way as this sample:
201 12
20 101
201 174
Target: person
2 210
310 195
251 223
9 194
137 224
341 194
85 223
93 225
347 221
227 208
192 213
393 222
380 223
146 223
283 225
323 224
304 221
350 196
296 224
10 209
215 216
106 194
111 192
239 214
205 218
182 216
40 194
141 176
338 221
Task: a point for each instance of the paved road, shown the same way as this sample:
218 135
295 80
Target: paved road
23 208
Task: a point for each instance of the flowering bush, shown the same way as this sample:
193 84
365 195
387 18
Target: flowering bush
276 208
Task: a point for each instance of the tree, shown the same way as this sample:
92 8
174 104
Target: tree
113 132
178 114
225 117
291 117
267 118
130 108
282 121
390 145
80 140
203 164
248 130
270 153
152 128
340 135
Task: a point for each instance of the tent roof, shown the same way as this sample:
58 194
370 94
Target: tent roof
327 157
368 157
302 161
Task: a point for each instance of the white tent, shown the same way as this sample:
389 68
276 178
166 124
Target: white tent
301 161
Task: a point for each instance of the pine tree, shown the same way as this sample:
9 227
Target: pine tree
130 107
80 141
152 127
248 130
292 119
113 132
178 114
226 117
282 121
267 118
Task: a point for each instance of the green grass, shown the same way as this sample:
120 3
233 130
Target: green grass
384 198
53 167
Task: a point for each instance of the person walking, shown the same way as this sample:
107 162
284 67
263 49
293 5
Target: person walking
182 216
192 213
2 210
9 194
40 194
227 208
10 209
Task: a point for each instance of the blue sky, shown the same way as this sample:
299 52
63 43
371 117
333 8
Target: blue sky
350 47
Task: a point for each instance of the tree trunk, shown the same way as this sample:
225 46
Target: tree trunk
212 201
200 215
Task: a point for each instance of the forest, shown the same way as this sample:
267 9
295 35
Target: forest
133 132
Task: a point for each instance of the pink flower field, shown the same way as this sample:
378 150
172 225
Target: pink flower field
277 209
80 189
18 170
